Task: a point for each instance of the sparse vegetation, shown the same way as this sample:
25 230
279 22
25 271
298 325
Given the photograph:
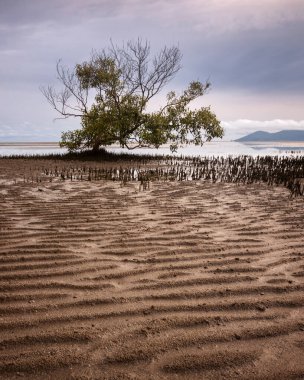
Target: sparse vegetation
286 171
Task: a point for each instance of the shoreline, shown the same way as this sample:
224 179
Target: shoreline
213 148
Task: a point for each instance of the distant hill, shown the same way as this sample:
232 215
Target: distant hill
290 135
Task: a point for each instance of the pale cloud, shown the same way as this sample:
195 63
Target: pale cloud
241 15
239 128
5 131
27 131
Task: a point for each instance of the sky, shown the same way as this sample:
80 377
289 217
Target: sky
252 51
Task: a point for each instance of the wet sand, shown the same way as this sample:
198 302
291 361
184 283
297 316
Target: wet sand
186 280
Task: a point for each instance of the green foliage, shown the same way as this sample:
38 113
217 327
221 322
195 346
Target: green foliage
121 82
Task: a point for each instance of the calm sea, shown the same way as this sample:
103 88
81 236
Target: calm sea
218 148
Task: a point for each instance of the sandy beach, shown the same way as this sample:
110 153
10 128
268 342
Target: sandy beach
185 280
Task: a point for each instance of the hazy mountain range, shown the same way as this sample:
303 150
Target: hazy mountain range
288 135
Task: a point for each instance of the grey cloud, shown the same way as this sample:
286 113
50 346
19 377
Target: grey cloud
268 60
243 46
21 13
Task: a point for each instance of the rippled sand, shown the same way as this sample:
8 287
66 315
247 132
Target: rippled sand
187 280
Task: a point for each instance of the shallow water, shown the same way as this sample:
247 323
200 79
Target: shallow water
214 148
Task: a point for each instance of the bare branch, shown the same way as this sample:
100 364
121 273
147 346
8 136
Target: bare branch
111 90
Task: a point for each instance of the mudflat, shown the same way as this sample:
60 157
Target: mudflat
185 280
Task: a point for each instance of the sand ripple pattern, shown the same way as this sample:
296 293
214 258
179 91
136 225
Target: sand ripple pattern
190 280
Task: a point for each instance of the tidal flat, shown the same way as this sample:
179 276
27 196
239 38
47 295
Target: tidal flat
177 279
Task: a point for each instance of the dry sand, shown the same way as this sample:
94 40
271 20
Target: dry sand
188 280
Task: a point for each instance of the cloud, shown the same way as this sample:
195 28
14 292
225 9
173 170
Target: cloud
239 128
27 131
239 44
243 15
251 50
